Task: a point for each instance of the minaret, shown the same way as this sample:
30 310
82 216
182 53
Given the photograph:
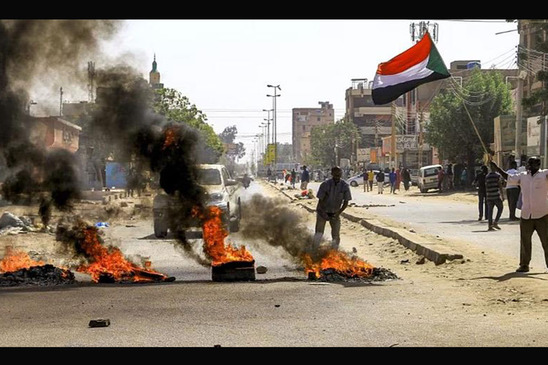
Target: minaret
154 76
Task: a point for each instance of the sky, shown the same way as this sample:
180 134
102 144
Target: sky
224 65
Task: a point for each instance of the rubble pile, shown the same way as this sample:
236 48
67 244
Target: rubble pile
12 224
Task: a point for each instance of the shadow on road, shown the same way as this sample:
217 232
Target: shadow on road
514 275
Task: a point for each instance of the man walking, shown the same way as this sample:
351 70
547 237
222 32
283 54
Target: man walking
493 195
534 209
333 196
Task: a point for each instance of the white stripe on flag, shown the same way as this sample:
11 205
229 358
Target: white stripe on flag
419 71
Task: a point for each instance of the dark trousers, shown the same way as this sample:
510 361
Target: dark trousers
482 202
513 195
526 229
491 204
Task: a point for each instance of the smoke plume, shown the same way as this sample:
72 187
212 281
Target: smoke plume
276 223
38 52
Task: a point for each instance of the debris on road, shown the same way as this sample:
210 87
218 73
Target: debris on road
99 323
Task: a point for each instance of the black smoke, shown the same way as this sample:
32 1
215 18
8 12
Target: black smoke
37 52
276 223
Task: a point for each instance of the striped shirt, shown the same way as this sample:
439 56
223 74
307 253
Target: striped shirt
493 182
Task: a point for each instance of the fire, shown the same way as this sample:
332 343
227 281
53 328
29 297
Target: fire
214 235
171 137
17 260
110 262
339 261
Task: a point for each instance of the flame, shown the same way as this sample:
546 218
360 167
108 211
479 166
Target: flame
349 266
17 260
171 137
110 261
214 235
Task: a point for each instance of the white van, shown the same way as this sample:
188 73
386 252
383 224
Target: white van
428 177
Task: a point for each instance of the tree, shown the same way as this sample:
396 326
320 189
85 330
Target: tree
329 143
227 136
177 108
483 97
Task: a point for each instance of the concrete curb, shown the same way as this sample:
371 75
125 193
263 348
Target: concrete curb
430 250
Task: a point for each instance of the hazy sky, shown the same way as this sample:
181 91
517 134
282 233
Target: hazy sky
223 66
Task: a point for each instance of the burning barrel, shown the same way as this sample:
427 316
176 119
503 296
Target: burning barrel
233 271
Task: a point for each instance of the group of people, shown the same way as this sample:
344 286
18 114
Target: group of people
395 177
526 190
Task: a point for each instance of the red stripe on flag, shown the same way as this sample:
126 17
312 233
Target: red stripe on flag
408 58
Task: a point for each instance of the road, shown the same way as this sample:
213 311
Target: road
428 306
450 216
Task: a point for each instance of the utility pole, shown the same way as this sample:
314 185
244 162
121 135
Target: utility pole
91 81
417 31
519 109
274 123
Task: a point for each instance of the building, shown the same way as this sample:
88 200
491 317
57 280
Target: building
531 60
54 132
154 76
373 121
304 119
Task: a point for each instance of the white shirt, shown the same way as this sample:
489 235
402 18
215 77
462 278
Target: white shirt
534 190
511 172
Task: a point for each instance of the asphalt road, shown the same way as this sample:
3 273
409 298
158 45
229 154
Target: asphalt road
279 309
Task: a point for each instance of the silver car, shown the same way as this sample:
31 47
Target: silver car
222 191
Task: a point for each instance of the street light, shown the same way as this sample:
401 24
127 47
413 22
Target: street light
274 126
268 122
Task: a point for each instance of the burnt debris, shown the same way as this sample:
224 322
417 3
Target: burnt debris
44 275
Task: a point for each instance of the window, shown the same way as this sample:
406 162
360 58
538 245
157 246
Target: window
209 177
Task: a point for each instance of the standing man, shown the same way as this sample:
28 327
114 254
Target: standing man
392 177
479 181
493 195
512 192
380 181
534 209
406 177
370 178
333 196
365 182
305 178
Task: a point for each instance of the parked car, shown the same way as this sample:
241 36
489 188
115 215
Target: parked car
222 191
428 177
357 180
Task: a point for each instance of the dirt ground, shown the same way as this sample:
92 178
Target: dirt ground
486 283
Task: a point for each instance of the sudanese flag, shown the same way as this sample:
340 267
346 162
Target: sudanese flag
418 65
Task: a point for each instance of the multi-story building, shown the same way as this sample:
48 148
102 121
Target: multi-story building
304 119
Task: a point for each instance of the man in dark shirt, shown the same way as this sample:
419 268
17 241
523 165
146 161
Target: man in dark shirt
305 178
479 181
333 196
493 195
